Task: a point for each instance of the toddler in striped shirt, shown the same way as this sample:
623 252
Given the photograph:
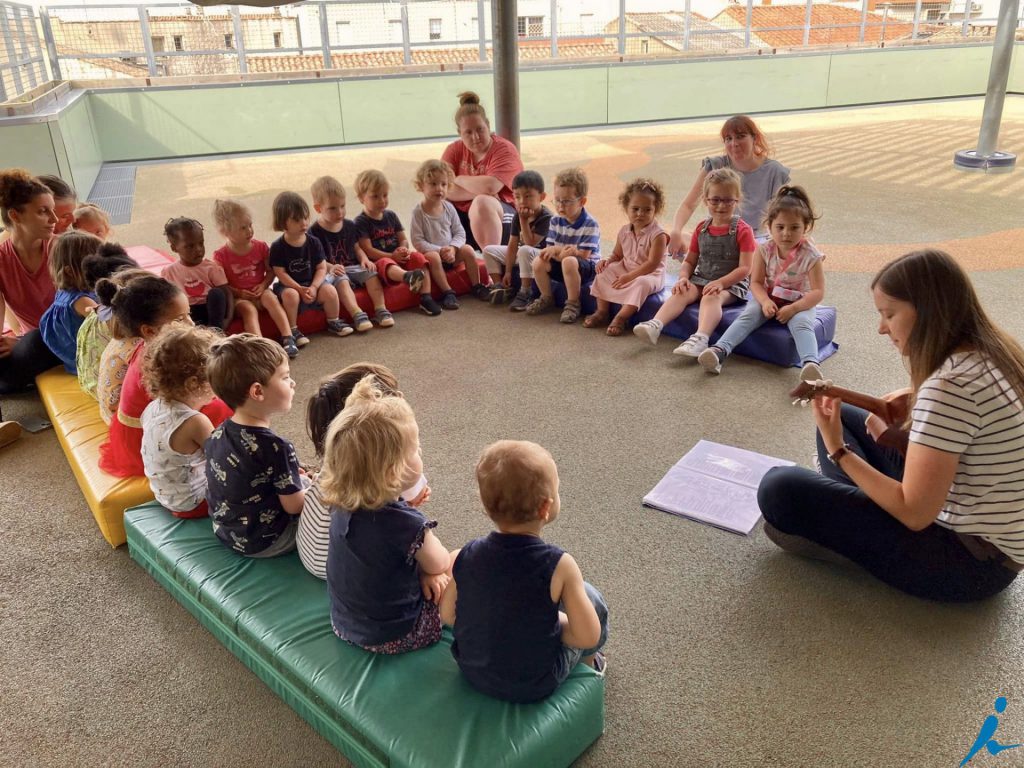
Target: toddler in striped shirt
571 249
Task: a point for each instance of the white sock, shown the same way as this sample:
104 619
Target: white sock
656 323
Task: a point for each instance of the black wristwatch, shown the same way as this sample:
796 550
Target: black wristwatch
841 451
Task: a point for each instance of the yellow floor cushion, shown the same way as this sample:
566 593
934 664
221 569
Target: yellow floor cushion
81 431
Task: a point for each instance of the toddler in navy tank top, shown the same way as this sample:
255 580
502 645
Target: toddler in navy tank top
522 614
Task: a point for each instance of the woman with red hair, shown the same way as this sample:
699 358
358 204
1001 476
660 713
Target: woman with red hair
747 152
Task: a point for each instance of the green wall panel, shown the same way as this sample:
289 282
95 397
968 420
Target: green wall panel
691 89
418 107
81 145
908 73
1016 83
563 97
156 123
28 146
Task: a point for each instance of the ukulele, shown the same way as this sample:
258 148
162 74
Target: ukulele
892 412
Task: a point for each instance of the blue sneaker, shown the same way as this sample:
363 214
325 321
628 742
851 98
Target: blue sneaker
289 347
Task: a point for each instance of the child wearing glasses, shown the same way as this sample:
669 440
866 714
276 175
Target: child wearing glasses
571 250
716 269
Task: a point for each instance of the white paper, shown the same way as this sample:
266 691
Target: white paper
729 463
715 484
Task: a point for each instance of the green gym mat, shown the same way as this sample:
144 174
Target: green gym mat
412 710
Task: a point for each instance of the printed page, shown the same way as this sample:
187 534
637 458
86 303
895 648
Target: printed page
728 463
707 499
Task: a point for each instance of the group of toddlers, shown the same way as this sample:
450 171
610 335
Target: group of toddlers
525 615
192 409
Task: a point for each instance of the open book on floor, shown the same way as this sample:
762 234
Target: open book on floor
715 484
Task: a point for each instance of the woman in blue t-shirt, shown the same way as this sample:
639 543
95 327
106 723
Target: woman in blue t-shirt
386 570
747 152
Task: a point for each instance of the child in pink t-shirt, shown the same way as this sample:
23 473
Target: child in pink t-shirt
246 264
203 281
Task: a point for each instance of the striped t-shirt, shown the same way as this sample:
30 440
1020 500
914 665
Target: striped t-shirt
314 531
967 407
583 233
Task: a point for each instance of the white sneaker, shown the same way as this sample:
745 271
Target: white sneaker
811 372
692 347
649 330
709 361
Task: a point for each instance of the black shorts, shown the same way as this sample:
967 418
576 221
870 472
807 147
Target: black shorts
507 217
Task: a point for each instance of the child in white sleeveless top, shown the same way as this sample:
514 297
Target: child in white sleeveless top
173 429
327 402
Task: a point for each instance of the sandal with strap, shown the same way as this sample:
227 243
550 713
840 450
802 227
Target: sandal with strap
616 327
595 320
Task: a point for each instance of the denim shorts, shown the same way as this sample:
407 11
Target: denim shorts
572 656
588 270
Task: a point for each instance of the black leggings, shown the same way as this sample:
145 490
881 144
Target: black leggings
29 357
830 510
216 312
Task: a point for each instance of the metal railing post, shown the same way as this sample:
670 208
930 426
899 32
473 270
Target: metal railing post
863 20
686 26
749 23
147 40
20 21
807 23
622 27
481 27
236 20
12 55
325 37
554 29
967 18
917 20
885 19
51 43
406 46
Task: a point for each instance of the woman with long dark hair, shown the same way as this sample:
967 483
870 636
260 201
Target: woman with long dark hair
945 521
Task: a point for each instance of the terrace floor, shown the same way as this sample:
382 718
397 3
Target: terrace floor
724 651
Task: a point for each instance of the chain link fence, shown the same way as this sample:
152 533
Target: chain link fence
110 41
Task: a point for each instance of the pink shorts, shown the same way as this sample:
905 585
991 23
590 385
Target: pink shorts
416 260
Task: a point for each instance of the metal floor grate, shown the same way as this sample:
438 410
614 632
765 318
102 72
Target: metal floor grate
114 192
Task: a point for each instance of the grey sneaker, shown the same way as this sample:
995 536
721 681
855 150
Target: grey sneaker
570 312
521 301
300 338
339 327
541 305
383 318
481 291
362 322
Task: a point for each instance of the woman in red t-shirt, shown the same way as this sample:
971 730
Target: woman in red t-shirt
484 166
27 209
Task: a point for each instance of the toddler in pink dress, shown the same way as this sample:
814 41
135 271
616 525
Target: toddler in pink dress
636 268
